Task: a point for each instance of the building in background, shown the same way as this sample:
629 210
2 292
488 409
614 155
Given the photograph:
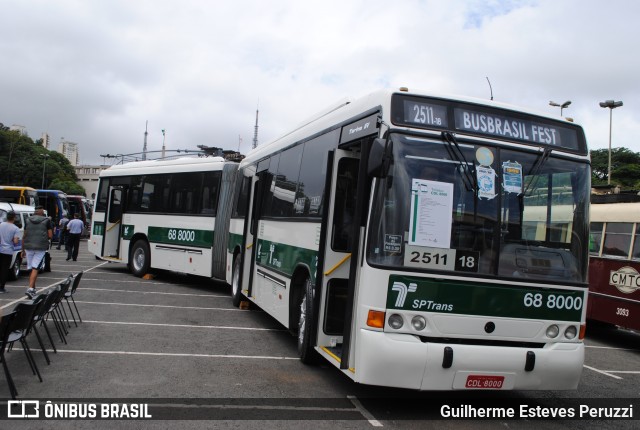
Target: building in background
88 178
46 140
19 128
70 151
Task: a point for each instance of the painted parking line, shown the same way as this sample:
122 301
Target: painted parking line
160 306
226 296
218 327
365 413
604 372
42 289
170 354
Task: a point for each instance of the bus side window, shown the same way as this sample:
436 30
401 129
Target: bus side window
617 239
345 204
595 238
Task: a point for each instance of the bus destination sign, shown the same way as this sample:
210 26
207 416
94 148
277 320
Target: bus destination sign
486 121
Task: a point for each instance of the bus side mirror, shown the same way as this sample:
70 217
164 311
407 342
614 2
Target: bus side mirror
380 158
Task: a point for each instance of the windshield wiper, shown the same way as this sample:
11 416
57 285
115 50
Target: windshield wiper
537 166
470 181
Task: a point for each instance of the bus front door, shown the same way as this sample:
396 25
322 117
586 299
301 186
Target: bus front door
336 253
113 224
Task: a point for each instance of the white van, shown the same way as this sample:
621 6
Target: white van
22 213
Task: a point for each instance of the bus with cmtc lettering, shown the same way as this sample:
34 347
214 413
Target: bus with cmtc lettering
413 240
165 214
614 263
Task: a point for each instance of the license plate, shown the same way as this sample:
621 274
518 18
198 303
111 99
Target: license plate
484 382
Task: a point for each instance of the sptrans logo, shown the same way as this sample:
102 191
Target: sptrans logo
626 279
402 290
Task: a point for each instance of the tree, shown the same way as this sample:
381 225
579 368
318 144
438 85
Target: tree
625 169
22 162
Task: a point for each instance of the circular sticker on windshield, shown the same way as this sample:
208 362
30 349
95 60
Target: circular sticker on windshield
484 156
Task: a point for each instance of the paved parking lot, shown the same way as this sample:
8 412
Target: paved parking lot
177 341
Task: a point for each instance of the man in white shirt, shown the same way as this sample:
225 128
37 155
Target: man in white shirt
75 228
9 236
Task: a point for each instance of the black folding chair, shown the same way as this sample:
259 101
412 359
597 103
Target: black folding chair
69 295
54 310
44 302
5 327
19 328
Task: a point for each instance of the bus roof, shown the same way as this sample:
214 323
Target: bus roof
615 212
15 187
347 111
166 166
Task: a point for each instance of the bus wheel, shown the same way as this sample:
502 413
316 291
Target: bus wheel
140 258
236 293
306 319
14 271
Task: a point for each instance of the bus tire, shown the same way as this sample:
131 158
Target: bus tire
14 270
306 321
236 289
140 260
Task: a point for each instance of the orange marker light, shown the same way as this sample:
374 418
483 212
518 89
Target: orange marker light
375 319
583 330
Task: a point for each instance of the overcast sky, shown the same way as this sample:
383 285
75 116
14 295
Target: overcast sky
93 72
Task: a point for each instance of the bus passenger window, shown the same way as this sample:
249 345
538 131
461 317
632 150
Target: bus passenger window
617 239
345 204
595 238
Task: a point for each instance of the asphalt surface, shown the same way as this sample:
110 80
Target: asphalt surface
176 344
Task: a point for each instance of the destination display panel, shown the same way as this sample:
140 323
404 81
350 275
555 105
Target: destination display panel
485 121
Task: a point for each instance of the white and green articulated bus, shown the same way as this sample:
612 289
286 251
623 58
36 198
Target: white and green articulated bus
166 214
390 234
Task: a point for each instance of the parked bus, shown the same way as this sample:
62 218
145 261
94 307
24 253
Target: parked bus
20 195
614 265
56 204
388 233
80 205
168 214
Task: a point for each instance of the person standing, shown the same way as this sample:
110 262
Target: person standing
62 228
9 236
38 231
75 228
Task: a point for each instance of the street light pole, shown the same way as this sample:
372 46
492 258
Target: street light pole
44 166
611 105
561 106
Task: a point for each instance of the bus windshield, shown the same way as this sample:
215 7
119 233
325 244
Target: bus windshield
486 210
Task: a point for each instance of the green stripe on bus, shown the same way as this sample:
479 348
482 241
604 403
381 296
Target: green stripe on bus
235 240
181 236
284 258
454 297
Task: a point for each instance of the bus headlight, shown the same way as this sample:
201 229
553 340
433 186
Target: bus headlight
395 321
571 332
418 322
553 331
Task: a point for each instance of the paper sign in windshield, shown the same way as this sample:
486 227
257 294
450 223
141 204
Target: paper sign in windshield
486 182
431 213
512 177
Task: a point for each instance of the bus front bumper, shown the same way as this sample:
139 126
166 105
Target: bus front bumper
402 360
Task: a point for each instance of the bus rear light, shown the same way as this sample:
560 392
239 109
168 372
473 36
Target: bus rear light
571 332
418 322
583 331
375 319
553 331
395 321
